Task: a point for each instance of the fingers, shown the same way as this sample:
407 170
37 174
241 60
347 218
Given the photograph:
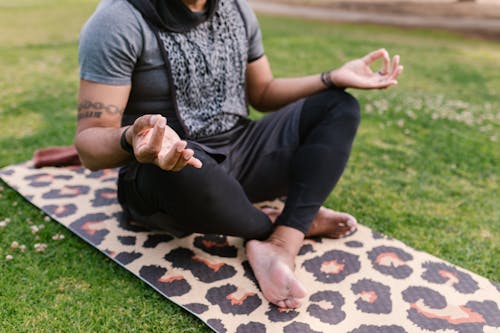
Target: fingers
178 157
168 159
145 122
194 162
389 78
375 55
148 136
396 68
392 77
161 147
387 61
395 62
187 158
157 132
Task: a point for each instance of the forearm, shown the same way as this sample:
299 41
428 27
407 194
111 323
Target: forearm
99 147
266 93
281 91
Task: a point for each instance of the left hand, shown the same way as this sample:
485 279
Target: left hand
358 74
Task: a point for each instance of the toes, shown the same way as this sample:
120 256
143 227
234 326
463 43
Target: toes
350 226
281 304
351 221
293 303
350 232
289 303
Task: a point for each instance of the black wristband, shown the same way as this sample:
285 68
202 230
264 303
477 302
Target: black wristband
124 143
327 80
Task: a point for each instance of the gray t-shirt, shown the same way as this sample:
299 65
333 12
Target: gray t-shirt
117 47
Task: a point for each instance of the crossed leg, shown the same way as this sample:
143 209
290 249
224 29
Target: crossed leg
327 223
328 125
220 199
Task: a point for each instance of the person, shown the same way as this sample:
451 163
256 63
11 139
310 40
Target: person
164 94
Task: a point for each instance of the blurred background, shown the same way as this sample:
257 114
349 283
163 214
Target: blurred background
424 167
478 17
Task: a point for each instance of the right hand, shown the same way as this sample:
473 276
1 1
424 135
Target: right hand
155 142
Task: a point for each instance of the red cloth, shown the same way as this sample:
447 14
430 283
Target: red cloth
56 156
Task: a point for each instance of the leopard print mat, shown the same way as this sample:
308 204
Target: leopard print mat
366 283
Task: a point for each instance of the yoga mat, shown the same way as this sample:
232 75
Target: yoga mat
366 283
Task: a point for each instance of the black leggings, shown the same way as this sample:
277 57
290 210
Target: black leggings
302 163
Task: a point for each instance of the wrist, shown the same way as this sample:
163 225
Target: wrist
326 79
125 141
333 76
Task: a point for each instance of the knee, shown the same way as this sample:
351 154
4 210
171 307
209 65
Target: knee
332 108
346 107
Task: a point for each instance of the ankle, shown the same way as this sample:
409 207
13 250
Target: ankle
287 239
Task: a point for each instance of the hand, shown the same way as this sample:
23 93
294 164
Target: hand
155 142
358 74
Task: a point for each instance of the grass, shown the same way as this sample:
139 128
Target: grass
424 167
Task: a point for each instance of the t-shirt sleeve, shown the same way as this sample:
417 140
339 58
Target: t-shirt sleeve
256 47
109 46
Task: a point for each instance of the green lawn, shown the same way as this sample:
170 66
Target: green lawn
424 167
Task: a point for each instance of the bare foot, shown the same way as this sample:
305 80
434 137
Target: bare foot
331 224
327 223
273 268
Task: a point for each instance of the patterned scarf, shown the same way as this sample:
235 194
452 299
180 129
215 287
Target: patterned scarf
206 67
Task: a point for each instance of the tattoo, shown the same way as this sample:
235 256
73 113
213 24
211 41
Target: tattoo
88 114
89 109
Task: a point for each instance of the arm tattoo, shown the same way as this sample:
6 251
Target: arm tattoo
89 109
